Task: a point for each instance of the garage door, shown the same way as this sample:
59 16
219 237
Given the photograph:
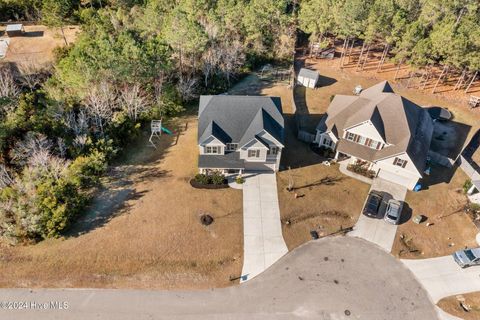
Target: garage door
408 182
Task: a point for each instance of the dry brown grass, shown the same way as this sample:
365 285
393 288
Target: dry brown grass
154 240
326 202
36 46
443 205
452 305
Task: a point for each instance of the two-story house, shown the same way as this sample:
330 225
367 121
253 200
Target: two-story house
381 129
240 133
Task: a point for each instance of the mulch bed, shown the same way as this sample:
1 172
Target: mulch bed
198 185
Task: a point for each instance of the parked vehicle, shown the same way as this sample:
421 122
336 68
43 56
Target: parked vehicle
394 211
467 258
372 206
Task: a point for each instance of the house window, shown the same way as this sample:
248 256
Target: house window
254 153
273 151
212 150
232 146
327 142
400 162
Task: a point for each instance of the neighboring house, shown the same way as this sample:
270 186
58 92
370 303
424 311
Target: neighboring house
469 161
308 78
387 133
240 133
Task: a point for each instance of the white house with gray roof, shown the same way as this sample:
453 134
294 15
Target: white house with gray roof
389 134
240 133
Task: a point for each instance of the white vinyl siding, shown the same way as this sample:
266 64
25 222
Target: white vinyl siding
254 153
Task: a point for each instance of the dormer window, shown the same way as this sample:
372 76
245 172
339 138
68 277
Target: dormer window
212 150
400 162
273 150
254 153
232 146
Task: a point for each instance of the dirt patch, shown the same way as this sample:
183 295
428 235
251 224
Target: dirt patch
37 45
453 305
151 237
446 228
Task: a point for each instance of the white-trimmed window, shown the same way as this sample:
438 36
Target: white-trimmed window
232 146
400 162
212 150
254 153
273 150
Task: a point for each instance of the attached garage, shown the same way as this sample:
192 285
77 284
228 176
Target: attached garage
308 78
409 181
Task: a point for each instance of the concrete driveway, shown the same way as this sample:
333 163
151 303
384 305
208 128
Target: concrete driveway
442 277
377 230
263 242
330 279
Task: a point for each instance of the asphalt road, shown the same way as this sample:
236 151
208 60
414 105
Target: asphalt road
329 279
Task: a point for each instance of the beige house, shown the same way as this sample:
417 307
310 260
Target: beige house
240 133
381 130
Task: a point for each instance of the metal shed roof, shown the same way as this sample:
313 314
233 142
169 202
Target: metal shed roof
310 74
14 27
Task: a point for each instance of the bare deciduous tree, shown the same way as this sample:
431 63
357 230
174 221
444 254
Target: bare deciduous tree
186 86
100 103
33 143
32 75
134 101
8 87
233 57
5 177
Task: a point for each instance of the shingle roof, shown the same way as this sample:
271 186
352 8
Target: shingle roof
238 119
227 161
310 74
405 126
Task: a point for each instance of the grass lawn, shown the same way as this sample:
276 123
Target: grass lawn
443 205
143 229
326 201
452 305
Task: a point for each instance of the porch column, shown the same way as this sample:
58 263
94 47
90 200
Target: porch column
336 155
471 190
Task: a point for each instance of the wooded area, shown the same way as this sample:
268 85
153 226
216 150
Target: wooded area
134 61
421 33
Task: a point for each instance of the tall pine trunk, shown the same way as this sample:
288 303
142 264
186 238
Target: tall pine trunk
439 78
366 57
471 82
361 54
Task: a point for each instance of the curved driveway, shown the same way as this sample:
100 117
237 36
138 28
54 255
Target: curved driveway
330 279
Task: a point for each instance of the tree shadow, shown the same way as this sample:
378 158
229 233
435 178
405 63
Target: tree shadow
407 213
112 199
449 137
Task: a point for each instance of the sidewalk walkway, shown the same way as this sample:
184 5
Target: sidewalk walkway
377 230
263 242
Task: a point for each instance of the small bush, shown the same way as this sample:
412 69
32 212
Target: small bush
217 178
467 185
240 180
202 178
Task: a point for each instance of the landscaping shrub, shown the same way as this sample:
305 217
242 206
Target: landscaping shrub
362 169
217 178
240 180
467 185
202 178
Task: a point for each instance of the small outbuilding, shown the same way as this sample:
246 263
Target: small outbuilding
15 30
308 78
